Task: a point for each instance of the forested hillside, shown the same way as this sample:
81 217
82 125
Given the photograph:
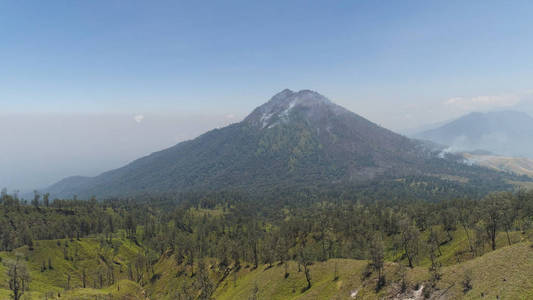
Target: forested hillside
296 139
221 245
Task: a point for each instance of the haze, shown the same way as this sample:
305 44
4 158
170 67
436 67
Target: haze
89 86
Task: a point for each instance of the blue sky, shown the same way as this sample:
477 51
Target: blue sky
401 64
128 56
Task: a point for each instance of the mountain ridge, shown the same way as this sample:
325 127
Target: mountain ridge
295 139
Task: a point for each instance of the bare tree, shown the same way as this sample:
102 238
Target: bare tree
410 239
466 219
305 259
84 278
19 277
377 259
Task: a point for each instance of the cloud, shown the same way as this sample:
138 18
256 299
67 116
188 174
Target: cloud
230 116
138 118
484 102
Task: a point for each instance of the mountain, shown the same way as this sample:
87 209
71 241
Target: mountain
507 133
295 139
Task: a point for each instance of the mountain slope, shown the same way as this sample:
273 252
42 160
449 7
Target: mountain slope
505 273
516 165
506 132
296 138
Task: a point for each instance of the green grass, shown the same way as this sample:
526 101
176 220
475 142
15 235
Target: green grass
124 289
272 284
506 272
85 254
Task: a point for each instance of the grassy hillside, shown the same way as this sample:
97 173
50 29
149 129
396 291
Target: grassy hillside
517 165
265 282
270 283
505 272
492 274
91 256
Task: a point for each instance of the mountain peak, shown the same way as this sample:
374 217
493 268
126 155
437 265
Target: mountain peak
280 106
288 95
283 94
296 139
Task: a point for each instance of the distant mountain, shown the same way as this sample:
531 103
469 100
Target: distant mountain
413 131
295 139
507 133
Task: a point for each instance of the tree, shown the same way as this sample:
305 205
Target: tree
36 197
19 277
377 259
409 240
110 225
305 260
84 278
433 239
205 285
267 250
253 237
480 238
235 254
434 268
449 222
3 195
190 250
509 214
46 199
335 272
493 215
27 238
466 219
131 227
68 282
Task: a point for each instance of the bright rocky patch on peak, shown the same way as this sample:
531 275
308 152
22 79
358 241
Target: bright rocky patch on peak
280 107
